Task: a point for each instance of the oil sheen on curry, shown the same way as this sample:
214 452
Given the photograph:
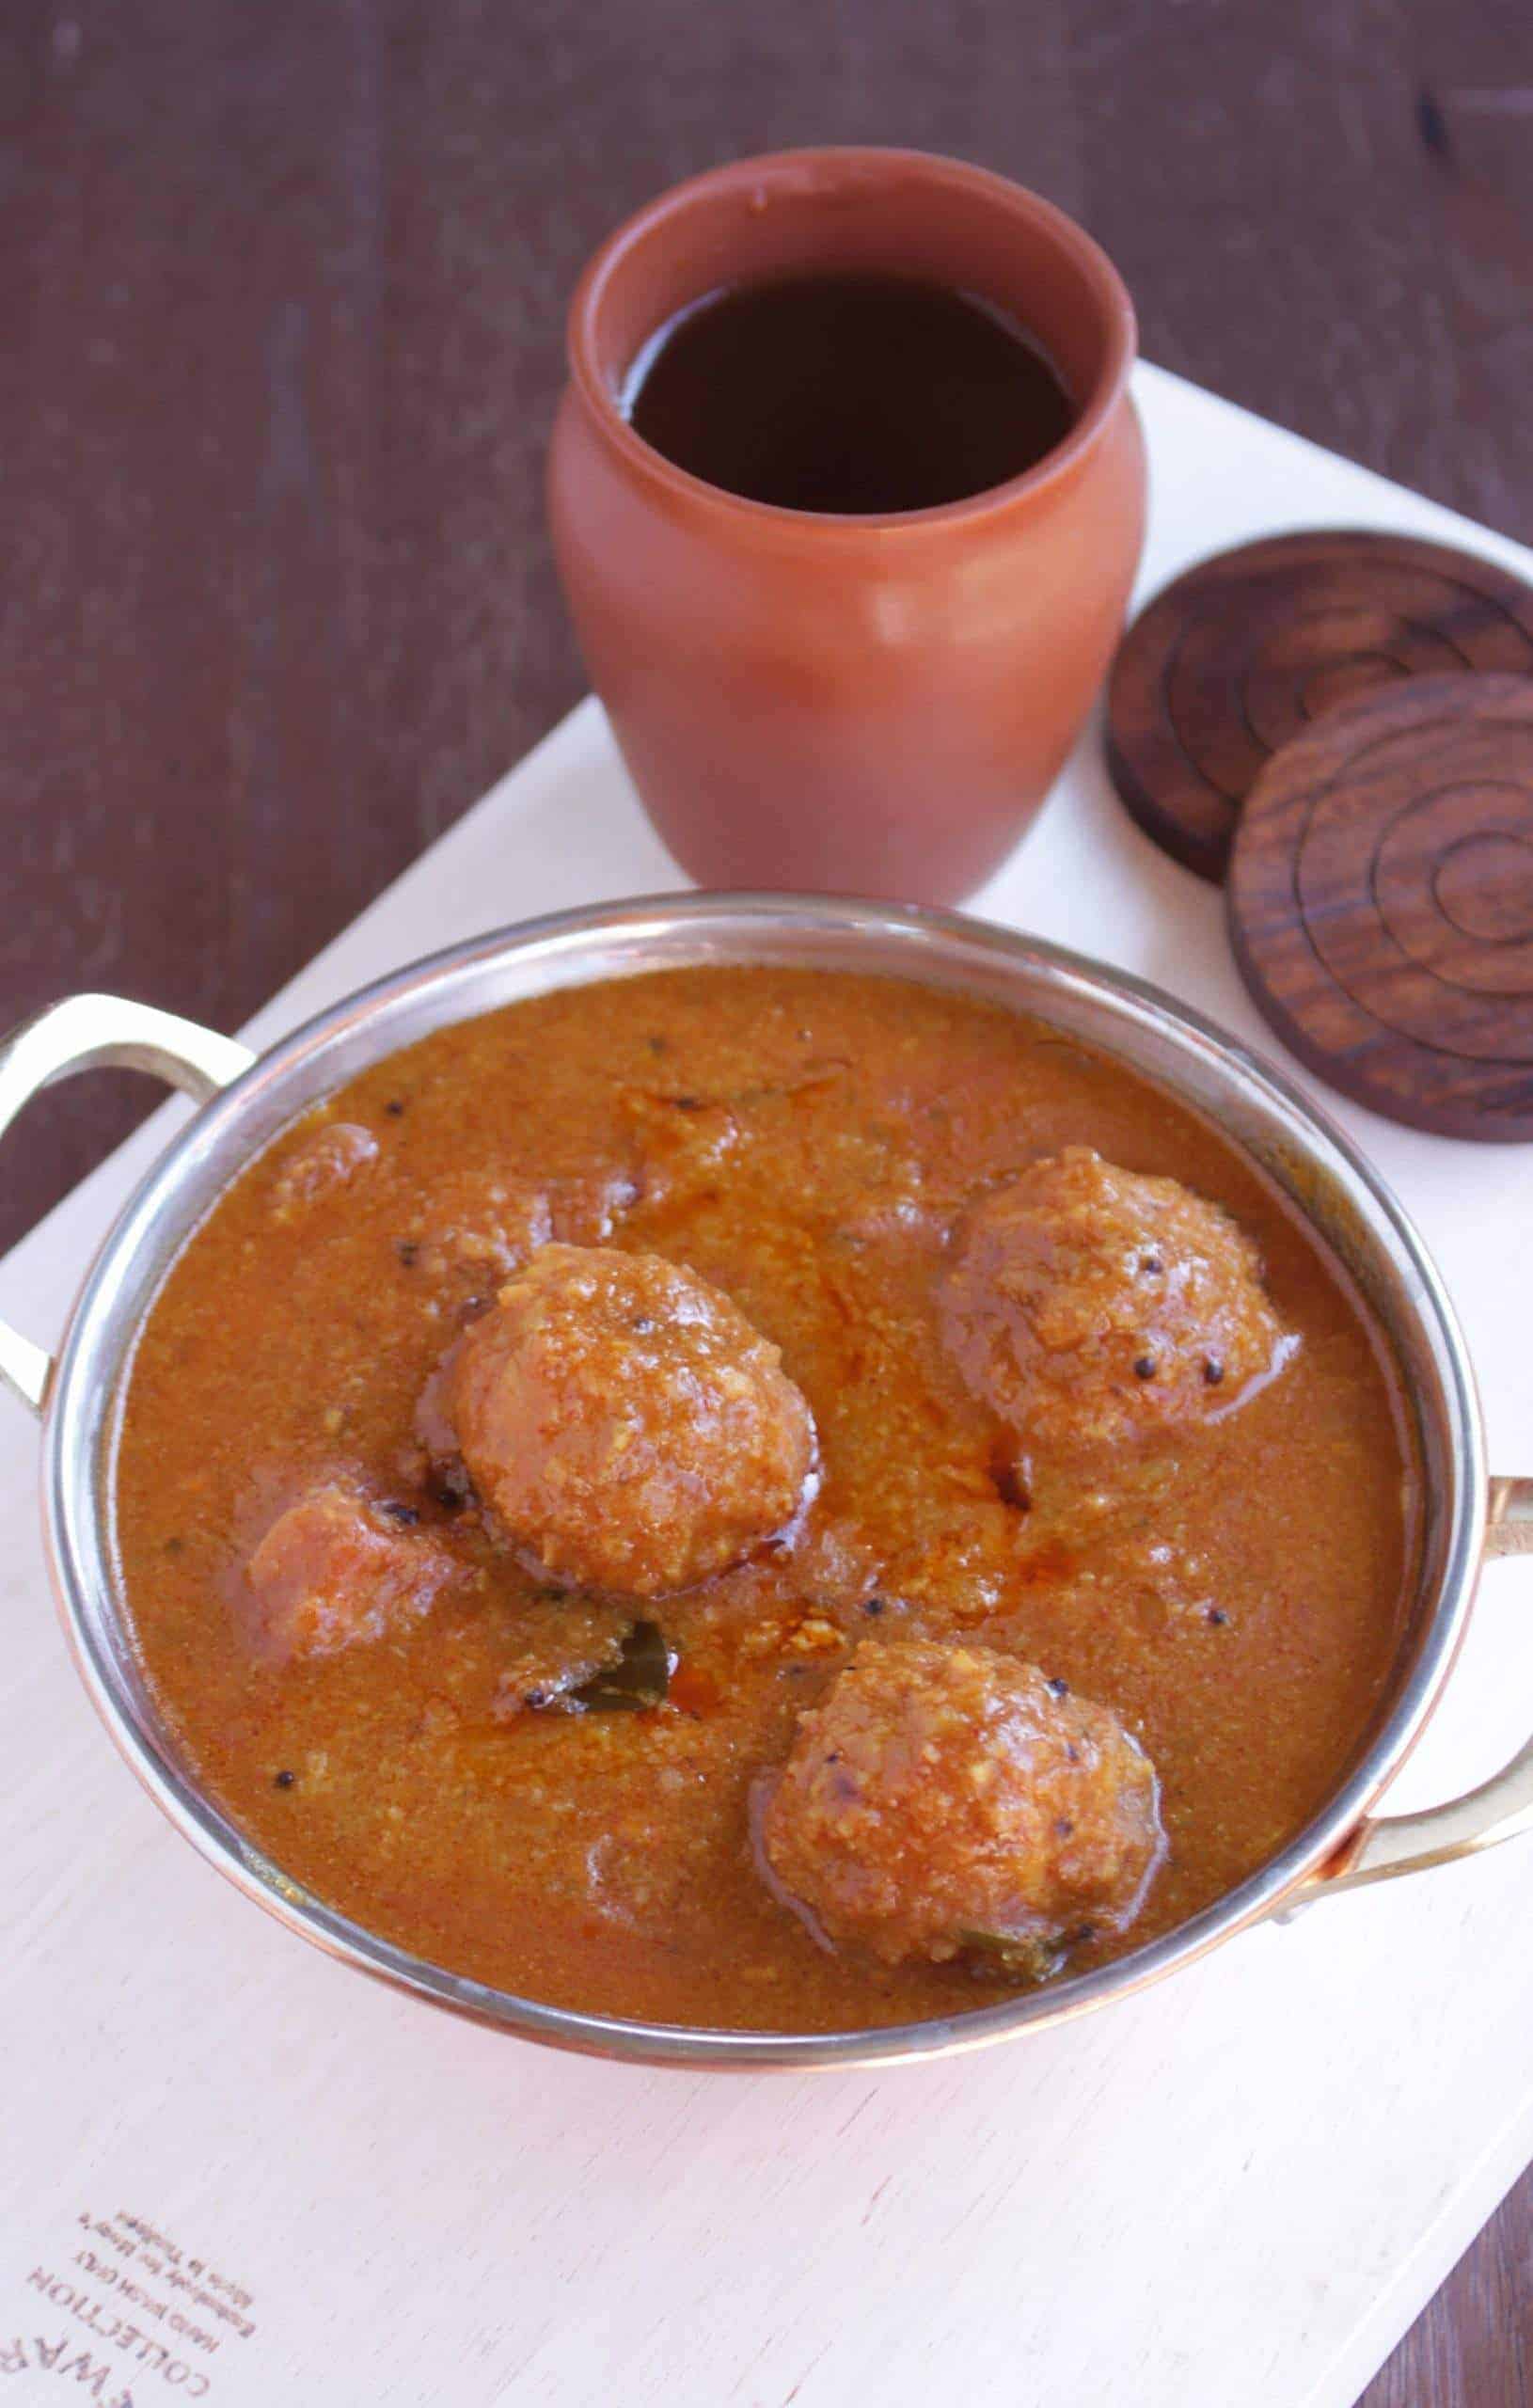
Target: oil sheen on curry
762 1499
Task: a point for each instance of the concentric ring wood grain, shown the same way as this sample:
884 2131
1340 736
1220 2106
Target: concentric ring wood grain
1249 648
1380 902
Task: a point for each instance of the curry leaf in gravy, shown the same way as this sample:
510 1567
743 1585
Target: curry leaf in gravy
639 1677
1022 1960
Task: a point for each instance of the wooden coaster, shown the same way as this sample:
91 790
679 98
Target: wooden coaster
1247 649
1380 902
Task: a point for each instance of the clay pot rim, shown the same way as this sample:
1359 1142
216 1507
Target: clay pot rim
1099 278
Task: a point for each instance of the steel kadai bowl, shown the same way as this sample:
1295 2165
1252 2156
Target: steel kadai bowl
246 1098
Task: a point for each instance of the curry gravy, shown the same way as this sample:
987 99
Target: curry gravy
805 1140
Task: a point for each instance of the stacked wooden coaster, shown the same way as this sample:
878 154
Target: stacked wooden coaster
1339 724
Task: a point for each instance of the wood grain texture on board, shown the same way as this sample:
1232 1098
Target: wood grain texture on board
282 288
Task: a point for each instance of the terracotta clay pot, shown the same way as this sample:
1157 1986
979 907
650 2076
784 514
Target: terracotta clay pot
847 703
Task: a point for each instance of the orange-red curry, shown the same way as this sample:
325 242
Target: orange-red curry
808 1143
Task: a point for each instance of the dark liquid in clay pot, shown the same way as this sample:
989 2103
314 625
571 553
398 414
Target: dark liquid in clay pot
855 395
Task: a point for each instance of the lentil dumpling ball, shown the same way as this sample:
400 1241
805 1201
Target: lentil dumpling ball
1091 1307
626 1424
335 1569
944 1800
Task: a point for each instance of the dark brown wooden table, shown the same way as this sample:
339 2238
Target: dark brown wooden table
281 287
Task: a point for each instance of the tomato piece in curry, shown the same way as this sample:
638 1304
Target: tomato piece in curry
384 1693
